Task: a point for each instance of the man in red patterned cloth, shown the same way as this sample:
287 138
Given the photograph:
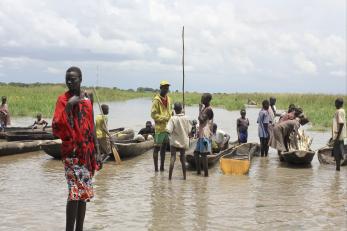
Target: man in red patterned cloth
73 123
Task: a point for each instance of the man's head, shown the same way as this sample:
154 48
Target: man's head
206 99
272 101
148 124
73 79
266 104
178 108
104 108
3 99
39 116
338 103
243 113
164 88
214 127
291 108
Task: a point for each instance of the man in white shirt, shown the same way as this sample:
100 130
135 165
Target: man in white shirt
339 132
179 128
220 139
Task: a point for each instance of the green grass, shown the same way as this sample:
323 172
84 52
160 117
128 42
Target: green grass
28 100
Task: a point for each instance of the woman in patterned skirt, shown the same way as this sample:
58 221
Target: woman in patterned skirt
73 123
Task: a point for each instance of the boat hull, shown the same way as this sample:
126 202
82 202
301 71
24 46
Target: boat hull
298 157
325 156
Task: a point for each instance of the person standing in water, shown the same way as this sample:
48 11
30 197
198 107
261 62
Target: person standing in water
161 114
242 124
179 128
339 132
264 121
73 123
204 144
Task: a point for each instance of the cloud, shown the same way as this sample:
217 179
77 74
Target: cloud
304 64
142 40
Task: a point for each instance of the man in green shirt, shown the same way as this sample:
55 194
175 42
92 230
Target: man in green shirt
161 114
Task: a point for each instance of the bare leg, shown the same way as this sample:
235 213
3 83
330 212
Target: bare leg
80 215
183 162
172 161
71 213
162 156
197 162
205 163
155 158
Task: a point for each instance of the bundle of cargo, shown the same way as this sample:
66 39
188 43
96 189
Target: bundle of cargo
299 149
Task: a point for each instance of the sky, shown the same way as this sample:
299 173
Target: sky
230 45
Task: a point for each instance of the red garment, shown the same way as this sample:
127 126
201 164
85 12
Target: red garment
78 138
164 101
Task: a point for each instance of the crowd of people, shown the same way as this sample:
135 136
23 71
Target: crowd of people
83 140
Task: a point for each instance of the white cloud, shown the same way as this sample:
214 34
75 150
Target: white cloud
248 39
166 53
304 64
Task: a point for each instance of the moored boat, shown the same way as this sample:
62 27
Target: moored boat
18 147
132 148
29 135
300 157
325 156
238 160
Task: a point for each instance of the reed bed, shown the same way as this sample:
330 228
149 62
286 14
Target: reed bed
28 100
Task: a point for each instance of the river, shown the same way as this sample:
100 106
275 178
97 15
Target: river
130 196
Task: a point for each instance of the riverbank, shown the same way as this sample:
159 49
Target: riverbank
28 100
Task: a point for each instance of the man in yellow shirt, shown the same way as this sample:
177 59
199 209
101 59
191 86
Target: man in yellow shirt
161 114
102 132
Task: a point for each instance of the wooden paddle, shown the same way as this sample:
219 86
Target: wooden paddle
114 150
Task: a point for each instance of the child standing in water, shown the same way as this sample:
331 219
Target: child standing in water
242 124
203 146
178 128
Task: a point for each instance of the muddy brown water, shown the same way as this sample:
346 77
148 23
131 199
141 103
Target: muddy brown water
273 196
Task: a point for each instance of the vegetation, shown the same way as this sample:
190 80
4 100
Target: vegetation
29 99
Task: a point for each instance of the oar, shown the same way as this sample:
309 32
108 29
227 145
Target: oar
114 150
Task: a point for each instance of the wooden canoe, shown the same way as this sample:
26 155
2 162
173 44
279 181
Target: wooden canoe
299 157
3 134
29 135
126 149
17 147
212 159
132 148
52 148
325 157
238 160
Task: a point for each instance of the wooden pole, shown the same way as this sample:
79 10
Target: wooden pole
183 68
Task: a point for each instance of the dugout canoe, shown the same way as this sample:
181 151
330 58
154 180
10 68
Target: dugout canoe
18 147
53 147
325 156
132 148
212 159
29 135
7 130
126 149
298 157
238 160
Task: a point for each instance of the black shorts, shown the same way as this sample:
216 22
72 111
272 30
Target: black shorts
338 150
